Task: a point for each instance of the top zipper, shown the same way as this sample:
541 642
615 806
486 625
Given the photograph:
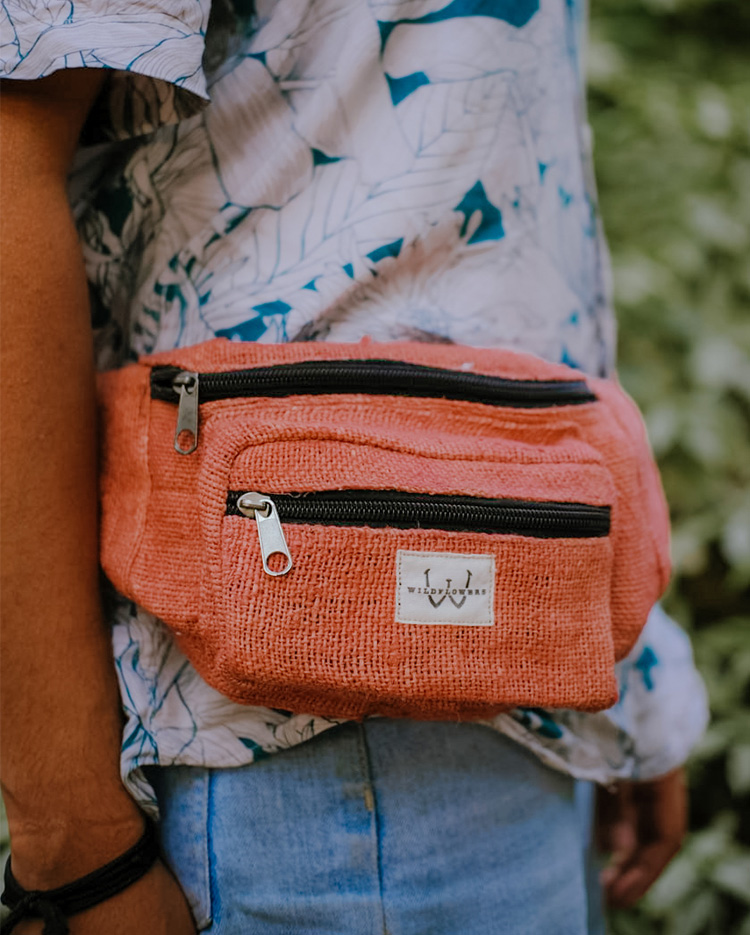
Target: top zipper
189 389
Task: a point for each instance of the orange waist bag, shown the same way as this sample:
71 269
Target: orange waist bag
428 531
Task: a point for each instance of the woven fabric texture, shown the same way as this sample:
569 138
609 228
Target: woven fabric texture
324 638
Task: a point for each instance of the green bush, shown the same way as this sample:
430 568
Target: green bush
670 107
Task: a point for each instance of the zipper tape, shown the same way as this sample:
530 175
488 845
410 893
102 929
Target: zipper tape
188 389
405 510
374 378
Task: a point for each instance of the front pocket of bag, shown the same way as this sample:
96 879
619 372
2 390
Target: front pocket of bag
339 634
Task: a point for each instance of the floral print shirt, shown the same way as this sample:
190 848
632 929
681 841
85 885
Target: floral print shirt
297 170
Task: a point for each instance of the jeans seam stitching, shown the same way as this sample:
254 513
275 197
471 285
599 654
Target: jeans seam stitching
366 765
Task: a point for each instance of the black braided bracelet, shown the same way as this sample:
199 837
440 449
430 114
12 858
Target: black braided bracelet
55 906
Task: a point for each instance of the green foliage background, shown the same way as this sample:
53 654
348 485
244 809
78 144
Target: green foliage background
670 109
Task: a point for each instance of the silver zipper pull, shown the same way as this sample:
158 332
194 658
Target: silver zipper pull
185 384
270 533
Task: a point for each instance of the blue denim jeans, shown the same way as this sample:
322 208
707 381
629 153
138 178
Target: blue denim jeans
398 827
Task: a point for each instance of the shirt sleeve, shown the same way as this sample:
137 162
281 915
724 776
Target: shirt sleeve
152 50
663 706
661 715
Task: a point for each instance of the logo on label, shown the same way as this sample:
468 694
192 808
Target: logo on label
445 587
447 591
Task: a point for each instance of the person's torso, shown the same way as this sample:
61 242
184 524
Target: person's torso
405 170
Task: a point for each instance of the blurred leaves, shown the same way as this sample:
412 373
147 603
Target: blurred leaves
670 108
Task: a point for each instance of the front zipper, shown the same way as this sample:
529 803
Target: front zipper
189 389
405 510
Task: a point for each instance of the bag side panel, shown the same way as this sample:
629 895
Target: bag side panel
124 479
166 571
640 520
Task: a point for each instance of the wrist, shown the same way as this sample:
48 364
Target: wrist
56 905
52 850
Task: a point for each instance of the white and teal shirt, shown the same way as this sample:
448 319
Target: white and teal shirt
322 170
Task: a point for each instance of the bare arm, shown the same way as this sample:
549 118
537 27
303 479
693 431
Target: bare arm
67 809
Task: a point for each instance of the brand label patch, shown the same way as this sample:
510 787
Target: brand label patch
445 587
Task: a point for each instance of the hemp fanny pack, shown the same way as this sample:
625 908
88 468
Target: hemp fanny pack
430 531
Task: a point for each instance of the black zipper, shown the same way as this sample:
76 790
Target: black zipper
404 510
189 388
373 377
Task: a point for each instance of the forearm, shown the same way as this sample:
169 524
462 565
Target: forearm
61 720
